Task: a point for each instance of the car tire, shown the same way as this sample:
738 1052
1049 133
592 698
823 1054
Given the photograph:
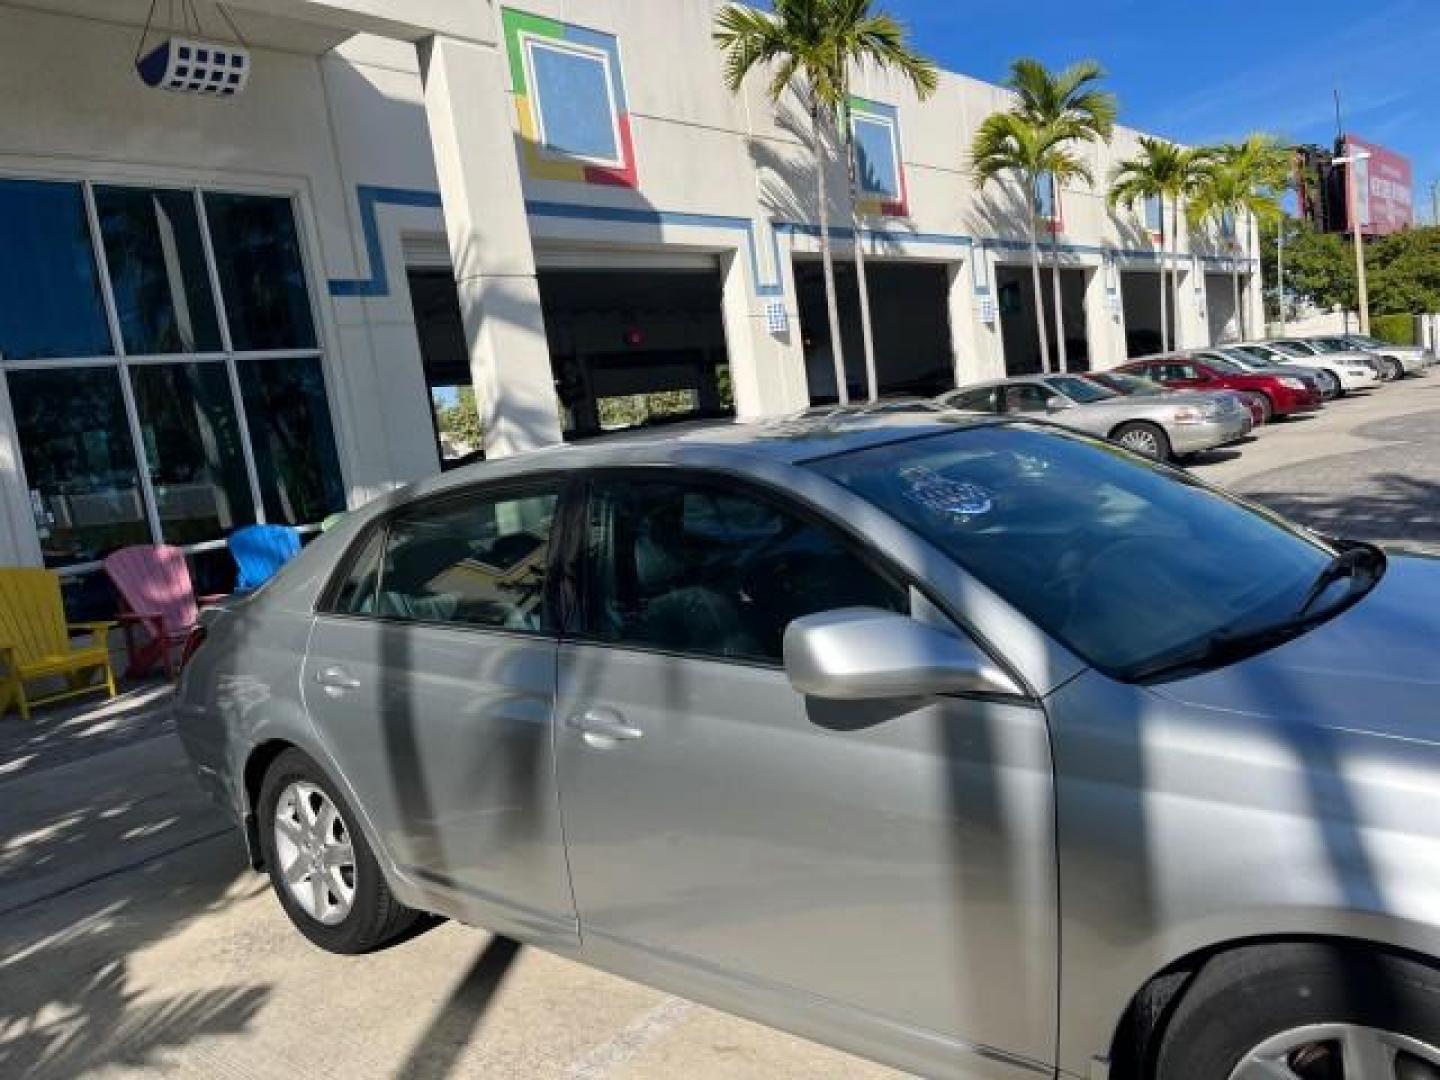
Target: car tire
1283 1010
1331 387
1391 369
339 901
1148 440
1267 408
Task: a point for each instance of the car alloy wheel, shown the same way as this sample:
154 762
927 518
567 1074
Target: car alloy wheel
1330 384
315 853
1143 439
1339 1052
1393 370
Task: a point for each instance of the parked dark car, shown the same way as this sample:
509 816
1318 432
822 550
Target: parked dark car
1283 395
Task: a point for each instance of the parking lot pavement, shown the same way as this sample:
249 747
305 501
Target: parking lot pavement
1366 466
134 940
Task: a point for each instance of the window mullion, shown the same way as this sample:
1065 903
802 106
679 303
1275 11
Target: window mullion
127 392
223 319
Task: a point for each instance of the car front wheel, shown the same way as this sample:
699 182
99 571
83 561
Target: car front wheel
324 873
1306 1011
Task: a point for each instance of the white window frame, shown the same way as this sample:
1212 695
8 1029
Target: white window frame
528 43
857 117
122 362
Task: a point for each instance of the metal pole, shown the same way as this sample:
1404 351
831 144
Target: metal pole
1435 203
1280 273
1361 286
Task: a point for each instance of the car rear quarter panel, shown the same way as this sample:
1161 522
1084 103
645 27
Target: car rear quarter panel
1182 829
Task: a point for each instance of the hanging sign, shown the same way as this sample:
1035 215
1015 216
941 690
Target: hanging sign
192 65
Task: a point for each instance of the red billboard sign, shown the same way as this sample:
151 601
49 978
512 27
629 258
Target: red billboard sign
1383 188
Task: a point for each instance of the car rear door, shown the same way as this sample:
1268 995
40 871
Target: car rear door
431 678
878 874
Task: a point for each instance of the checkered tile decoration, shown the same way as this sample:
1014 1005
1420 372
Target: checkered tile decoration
196 67
776 320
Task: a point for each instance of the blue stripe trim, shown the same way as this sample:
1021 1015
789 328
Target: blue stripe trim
369 196
621 215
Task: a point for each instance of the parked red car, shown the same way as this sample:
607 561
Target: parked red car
1282 394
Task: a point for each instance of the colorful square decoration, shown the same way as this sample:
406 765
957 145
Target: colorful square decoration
570 100
879 165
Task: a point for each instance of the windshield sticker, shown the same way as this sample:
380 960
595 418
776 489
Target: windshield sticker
954 498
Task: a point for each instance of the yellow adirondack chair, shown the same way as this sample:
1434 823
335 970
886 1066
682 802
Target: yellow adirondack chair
35 642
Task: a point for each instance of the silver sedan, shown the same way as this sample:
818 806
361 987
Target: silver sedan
975 746
1160 427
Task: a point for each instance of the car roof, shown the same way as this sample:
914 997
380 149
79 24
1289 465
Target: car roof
785 440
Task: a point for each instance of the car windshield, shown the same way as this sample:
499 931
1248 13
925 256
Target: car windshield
1331 344
1221 363
1081 390
1132 385
1124 562
1288 349
1256 355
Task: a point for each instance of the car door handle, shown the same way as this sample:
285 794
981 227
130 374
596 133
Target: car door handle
603 728
336 679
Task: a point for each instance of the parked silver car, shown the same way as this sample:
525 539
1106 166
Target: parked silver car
968 744
1158 427
1401 359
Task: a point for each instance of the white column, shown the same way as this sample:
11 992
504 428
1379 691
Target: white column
767 371
475 159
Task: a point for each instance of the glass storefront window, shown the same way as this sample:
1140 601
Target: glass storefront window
292 438
262 277
79 462
157 268
50 301
193 450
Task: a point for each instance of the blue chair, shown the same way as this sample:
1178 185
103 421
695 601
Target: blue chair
260 551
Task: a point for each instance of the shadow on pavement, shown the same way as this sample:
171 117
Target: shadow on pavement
1395 508
437 1052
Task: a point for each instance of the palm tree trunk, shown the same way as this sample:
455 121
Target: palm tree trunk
837 349
872 380
1062 358
1164 283
1035 280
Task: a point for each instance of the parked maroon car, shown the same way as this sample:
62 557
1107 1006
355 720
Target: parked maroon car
1282 394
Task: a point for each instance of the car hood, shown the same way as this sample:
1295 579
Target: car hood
1375 667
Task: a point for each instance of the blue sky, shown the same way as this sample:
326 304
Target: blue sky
1201 72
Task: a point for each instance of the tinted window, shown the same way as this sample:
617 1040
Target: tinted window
982 400
474 561
49 291
1081 390
257 254
292 438
1027 398
356 593
157 268
1290 350
699 569
1120 560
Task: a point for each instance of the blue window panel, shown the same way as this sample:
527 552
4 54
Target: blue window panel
1153 219
574 101
262 277
875 160
1045 196
49 290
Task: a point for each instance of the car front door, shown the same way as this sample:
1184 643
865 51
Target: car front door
431 676
877 874
1027 398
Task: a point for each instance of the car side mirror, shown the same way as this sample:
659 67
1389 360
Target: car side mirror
856 654
1058 404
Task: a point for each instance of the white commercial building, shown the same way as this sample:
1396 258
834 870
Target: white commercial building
219 308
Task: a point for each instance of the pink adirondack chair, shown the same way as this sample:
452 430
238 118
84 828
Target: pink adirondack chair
159 607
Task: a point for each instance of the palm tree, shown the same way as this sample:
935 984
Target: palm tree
1011 144
812 44
1236 183
1170 173
1069 102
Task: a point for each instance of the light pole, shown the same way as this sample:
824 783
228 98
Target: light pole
1280 272
1362 291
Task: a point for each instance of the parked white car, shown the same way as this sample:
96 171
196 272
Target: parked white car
1350 371
1412 359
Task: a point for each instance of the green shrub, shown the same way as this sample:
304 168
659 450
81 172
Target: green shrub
1396 329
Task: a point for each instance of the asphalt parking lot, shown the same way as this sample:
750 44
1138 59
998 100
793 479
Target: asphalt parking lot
133 940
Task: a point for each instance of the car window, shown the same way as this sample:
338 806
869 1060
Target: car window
1174 372
474 560
1081 390
355 594
1122 561
1257 351
1223 363
979 400
1027 398
1289 349
694 568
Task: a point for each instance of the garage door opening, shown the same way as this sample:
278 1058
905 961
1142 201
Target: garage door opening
446 359
1141 292
1016 299
1225 320
909 318
633 347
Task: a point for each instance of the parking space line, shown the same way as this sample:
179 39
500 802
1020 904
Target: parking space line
645 1029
